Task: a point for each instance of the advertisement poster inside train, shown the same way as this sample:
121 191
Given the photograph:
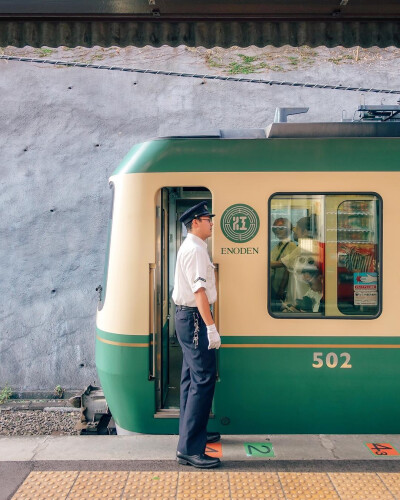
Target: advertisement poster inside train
365 289
356 257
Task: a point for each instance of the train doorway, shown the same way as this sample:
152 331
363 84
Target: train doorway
172 202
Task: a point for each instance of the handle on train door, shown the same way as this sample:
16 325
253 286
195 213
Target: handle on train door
216 307
216 303
152 321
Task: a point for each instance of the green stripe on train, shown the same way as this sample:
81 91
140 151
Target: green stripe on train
266 155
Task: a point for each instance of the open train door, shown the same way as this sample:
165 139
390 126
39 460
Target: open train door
171 203
162 315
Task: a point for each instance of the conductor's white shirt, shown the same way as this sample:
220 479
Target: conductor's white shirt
194 270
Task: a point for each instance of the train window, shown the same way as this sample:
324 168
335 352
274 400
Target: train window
324 255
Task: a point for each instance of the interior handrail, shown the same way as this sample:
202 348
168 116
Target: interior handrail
152 320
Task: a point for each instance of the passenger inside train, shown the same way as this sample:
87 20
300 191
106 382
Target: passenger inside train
282 229
303 267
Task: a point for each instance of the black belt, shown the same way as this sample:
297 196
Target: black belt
186 308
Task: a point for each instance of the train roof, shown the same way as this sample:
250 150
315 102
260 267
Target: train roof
366 144
372 121
302 130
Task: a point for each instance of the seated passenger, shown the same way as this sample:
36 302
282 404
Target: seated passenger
311 302
304 257
279 274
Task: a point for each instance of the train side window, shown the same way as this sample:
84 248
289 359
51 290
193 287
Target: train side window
358 256
324 255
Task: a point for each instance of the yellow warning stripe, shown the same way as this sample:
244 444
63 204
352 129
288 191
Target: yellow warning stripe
318 346
224 484
124 344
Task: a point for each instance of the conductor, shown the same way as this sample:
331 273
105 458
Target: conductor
194 292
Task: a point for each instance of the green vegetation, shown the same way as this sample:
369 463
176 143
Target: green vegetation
42 52
97 57
212 62
293 60
341 59
5 394
272 60
238 68
245 65
59 391
247 59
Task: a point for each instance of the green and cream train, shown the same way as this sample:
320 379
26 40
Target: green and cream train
324 361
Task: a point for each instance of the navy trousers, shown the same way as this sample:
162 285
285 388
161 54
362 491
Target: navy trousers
197 382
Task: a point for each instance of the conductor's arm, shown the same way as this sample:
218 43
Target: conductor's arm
214 340
203 306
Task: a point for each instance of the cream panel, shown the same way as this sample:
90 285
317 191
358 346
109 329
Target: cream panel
132 249
243 278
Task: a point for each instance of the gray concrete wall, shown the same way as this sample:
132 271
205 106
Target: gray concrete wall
63 132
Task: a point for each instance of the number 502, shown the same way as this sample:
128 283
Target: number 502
331 360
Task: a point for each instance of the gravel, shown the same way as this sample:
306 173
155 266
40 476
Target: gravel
37 422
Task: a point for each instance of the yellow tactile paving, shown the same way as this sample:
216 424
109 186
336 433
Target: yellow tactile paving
360 486
204 485
151 486
48 484
307 485
209 485
257 485
95 484
392 482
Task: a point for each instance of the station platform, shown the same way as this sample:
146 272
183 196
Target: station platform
364 467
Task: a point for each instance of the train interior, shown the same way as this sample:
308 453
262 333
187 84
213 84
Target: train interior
172 202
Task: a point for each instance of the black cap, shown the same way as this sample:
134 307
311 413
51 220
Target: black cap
199 210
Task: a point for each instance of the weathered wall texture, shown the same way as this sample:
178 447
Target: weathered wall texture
64 130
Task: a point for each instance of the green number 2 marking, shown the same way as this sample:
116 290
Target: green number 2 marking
250 447
258 450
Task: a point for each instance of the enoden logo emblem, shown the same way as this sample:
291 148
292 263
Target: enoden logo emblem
240 223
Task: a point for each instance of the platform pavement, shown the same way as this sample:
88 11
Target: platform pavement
292 454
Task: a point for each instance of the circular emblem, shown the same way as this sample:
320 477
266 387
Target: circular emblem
240 223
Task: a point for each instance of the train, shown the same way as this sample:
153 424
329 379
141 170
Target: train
324 361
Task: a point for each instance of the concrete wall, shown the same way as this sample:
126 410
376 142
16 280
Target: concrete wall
63 132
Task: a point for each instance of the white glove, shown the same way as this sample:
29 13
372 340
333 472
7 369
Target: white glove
214 340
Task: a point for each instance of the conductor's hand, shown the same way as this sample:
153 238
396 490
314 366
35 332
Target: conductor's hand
214 340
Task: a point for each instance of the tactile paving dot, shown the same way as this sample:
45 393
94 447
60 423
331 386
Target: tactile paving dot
307 485
259 485
360 486
49 484
392 481
95 484
203 485
151 485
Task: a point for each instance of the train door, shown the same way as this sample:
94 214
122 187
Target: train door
171 204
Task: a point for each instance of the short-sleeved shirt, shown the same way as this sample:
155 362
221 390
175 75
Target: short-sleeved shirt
194 270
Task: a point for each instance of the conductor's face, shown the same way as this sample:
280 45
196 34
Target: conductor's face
202 227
